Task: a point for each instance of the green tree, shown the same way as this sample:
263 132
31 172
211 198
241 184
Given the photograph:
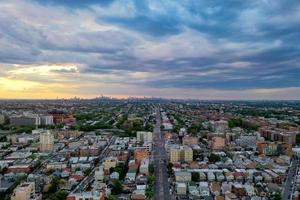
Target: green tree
61 194
170 170
214 158
298 138
111 197
151 168
150 192
117 187
150 180
195 176
54 185
122 169
276 196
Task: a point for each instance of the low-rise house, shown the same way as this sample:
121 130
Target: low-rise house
181 188
115 175
250 190
138 195
211 176
238 190
226 187
231 196
215 188
56 165
99 174
183 176
202 176
130 176
144 167
220 177
93 195
193 190
229 176
204 189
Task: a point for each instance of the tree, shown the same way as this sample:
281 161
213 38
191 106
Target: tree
54 185
277 196
197 155
121 168
214 158
298 138
170 170
150 192
195 176
151 168
77 169
61 194
117 187
150 180
111 197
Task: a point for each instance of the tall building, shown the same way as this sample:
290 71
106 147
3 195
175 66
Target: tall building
217 143
46 141
2 119
46 120
25 191
143 136
181 154
274 148
189 140
219 126
33 120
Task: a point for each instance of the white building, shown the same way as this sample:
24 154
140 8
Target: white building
99 174
144 167
143 136
46 120
181 188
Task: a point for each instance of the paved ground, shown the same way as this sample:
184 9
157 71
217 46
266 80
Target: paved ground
161 186
288 188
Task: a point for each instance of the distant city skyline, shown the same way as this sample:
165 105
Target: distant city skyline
198 49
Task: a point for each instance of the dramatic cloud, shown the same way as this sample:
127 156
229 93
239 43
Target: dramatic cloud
187 49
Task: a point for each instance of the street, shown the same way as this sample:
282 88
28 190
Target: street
161 186
288 188
90 178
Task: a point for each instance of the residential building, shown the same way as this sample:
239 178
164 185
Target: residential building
219 126
181 188
32 120
189 140
25 191
141 154
2 119
46 120
217 143
183 176
143 136
180 153
108 163
46 141
92 195
144 167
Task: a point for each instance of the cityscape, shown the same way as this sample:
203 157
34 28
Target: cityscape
149 100
147 148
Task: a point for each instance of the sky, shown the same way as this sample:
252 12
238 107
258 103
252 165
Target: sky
193 49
